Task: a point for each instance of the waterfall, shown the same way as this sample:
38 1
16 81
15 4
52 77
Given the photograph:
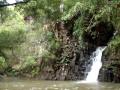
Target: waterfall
96 65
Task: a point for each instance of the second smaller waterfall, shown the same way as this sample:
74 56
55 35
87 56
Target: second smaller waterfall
96 65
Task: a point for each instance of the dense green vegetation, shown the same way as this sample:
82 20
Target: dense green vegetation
28 37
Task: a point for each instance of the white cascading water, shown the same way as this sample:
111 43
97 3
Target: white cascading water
96 65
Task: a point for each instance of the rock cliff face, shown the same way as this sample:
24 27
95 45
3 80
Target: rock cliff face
73 62
110 72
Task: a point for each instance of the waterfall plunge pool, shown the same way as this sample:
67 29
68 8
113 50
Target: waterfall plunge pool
89 84
55 85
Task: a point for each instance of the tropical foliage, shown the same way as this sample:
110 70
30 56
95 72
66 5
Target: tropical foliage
27 31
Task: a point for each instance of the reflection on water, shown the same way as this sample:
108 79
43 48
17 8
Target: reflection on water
54 85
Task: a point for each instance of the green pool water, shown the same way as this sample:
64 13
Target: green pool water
55 85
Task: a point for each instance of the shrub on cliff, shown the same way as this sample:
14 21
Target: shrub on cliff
3 64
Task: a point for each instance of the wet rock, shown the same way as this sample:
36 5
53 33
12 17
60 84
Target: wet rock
110 71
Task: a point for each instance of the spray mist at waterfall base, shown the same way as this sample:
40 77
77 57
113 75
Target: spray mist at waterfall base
95 58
